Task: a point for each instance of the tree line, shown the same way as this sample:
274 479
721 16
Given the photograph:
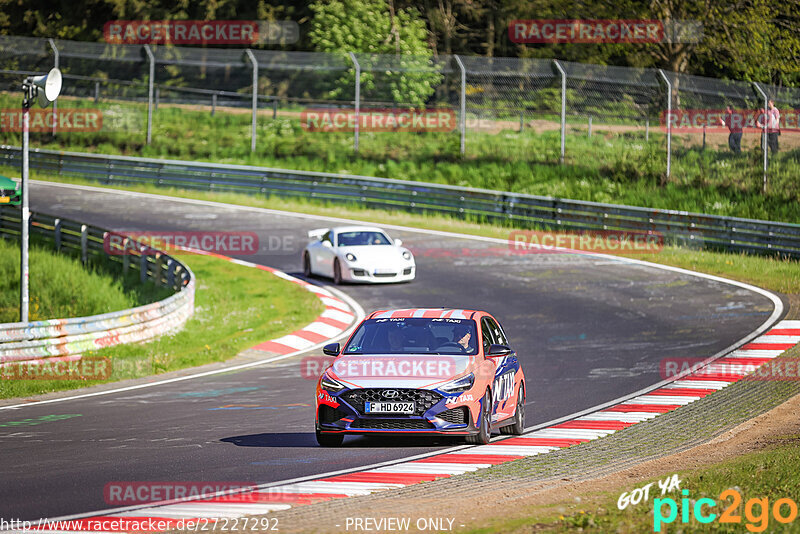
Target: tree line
756 40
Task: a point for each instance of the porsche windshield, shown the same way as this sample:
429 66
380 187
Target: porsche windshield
414 335
355 239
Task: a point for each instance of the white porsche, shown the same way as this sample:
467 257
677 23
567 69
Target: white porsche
357 254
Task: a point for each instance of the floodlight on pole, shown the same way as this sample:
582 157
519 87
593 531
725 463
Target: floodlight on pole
46 89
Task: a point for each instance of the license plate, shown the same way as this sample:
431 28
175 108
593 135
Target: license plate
385 271
389 407
5 200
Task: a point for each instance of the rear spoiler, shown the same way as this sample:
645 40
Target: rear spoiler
318 233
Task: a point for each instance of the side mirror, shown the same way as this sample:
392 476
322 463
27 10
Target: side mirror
332 349
398 242
327 244
496 349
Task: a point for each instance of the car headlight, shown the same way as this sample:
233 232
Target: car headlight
331 384
407 255
350 256
460 384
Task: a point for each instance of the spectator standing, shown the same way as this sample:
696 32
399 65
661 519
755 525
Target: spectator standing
772 119
733 121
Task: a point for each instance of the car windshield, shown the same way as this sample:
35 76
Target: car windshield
359 238
414 335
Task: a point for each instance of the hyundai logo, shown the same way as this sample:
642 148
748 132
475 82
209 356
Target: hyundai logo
390 394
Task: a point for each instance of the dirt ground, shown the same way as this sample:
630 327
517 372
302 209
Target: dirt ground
716 139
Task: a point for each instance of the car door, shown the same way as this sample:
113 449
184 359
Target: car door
324 254
506 367
487 340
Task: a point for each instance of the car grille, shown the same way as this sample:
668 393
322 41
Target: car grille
385 275
393 424
455 415
7 192
423 399
407 270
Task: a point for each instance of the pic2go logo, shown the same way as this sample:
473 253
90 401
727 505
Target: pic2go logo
756 511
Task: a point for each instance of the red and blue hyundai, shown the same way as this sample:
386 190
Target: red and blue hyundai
427 371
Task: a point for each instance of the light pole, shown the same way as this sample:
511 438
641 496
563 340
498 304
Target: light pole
50 85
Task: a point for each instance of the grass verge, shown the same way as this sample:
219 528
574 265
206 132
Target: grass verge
236 307
61 286
614 166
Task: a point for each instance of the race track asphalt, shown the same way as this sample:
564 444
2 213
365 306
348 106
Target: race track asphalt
588 330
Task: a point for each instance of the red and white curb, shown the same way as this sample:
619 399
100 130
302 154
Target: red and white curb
712 377
337 317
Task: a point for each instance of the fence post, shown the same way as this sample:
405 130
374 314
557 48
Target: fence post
96 92
252 59
647 129
462 123
157 98
84 243
142 264
764 135
151 58
57 234
56 60
563 105
275 108
669 121
159 266
590 125
213 104
126 256
357 99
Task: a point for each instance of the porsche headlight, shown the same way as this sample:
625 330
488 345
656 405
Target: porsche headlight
407 255
331 384
460 384
350 256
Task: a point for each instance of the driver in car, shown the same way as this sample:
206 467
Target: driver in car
461 335
396 340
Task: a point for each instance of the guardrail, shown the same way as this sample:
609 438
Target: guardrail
69 338
681 227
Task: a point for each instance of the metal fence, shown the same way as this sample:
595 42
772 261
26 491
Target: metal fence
678 227
578 110
67 339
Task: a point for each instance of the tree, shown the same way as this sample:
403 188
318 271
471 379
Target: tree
376 27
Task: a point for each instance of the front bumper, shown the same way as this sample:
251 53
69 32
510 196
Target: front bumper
432 416
10 197
354 273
